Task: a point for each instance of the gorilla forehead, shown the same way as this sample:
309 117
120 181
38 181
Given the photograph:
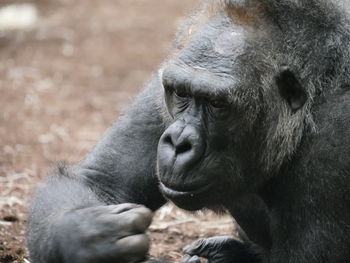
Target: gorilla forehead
215 46
218 36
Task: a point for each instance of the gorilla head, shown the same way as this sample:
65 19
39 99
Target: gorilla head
251 114
238 96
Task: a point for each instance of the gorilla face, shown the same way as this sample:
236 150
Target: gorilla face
198 153
215 93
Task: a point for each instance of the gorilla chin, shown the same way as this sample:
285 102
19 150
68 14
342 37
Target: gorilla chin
190 200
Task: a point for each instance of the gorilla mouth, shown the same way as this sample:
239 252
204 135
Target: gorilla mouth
192 200
175 194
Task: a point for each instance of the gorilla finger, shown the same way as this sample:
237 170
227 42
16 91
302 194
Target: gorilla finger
123 208
203 248
210 247
194 259
131 222
197 248
132 247
138 219
191 259
155 260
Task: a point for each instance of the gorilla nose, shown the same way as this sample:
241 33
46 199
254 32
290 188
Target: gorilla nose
182 144
179 145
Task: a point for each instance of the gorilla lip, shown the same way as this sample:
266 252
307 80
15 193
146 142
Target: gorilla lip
171 193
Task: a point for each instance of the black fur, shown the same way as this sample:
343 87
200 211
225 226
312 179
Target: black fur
251 115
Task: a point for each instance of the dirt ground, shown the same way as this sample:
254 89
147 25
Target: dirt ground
61 85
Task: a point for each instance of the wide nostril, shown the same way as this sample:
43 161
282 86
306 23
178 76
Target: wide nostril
182 148
179 147
168 140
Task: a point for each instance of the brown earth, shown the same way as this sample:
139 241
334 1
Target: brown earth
62 84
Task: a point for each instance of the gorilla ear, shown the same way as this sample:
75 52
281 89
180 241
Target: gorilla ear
290 89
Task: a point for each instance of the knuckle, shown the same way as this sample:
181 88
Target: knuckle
143 211
199 243
104 223
140 219
121 208
146 216
133 218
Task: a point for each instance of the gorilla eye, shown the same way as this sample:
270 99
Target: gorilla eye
181 94
218 104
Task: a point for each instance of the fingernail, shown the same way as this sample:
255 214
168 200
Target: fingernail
194 259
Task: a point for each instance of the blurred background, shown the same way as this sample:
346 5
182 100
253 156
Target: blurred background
68 68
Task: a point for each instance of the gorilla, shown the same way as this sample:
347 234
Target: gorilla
250 115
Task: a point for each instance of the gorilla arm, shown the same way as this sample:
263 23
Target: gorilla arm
75 216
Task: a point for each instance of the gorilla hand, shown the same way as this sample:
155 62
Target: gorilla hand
113 233
222 249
